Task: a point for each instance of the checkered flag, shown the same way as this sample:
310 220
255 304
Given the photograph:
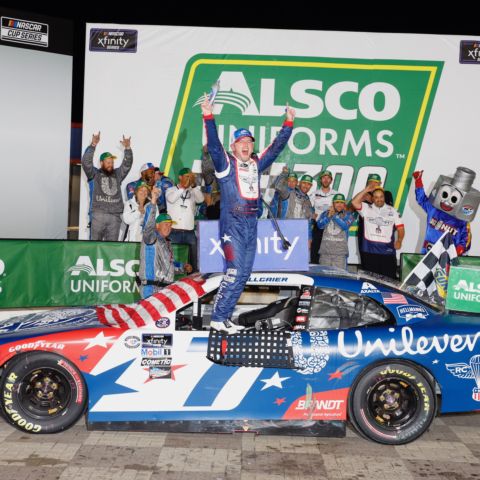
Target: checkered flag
430 276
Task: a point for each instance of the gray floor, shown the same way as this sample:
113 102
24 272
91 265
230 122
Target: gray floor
449 450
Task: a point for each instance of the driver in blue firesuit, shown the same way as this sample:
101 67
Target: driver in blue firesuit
238 174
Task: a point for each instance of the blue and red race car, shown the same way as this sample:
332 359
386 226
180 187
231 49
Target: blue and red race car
319 348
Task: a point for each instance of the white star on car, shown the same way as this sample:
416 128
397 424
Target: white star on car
275 381
99 341
226 238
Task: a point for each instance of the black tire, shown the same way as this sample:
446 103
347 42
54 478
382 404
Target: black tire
42 392
392 403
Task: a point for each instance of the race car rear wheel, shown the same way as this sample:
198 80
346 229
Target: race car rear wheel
392 403
42 392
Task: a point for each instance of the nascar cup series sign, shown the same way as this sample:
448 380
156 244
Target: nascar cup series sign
24 31
353 116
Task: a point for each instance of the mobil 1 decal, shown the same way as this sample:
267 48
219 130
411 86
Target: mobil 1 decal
157 354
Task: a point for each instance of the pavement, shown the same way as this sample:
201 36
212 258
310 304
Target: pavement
449 450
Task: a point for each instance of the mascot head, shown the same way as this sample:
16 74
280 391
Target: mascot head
456 196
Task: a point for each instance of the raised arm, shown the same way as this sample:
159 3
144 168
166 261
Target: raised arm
87 159
358 198
149 232
127 163
281 184
270 154
420 196
215 148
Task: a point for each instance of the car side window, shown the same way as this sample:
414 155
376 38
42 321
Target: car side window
334 309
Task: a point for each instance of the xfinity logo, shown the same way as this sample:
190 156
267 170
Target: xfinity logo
470 51
265 246
117 267
106 40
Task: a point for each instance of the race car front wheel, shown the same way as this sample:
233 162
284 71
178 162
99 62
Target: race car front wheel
42 392
392 403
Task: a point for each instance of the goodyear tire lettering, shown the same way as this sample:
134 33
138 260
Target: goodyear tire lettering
15 398
382 394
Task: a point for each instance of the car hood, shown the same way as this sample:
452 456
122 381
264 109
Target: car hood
47 322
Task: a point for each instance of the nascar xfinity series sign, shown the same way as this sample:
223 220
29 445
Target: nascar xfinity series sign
353 116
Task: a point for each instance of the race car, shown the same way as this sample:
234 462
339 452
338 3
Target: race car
319 348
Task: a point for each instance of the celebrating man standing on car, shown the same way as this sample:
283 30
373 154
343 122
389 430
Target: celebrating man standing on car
238 174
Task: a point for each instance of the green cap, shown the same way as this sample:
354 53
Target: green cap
140 185
164 217
293 175
306 178
325 172
106 155
184 171
374 177
339 197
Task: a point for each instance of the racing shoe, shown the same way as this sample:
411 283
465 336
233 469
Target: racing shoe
226 326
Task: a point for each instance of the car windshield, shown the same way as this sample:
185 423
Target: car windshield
433 301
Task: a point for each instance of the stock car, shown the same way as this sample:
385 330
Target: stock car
319 348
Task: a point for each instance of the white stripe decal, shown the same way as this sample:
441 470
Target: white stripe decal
147 318
158 305
109 317
189 290
227 170
173 297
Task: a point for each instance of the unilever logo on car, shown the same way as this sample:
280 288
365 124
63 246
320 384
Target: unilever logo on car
270 255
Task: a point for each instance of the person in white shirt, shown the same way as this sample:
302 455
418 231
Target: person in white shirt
322 201
181 205
134 212
379 245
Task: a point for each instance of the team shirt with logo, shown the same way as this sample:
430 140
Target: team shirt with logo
322 200
379 224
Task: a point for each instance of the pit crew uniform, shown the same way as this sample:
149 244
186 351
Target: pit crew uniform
240 192
290 202
157 266
321 203
380 255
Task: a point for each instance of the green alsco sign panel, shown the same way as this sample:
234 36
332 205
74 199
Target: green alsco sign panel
464 289
39 273
353 116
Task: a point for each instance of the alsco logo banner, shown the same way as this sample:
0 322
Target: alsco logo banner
354 117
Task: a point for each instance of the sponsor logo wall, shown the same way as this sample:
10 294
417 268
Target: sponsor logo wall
384 107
